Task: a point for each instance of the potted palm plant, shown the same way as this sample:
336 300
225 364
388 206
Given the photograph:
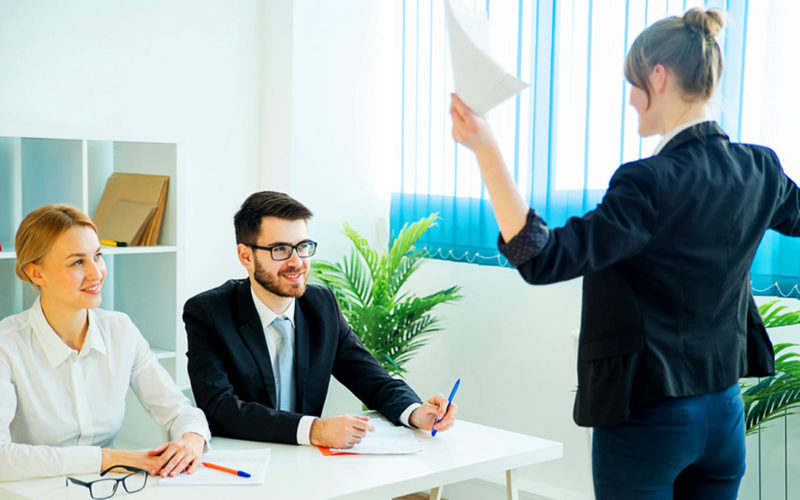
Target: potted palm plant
776 396
392 323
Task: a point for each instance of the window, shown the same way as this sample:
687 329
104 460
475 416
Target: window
565 135
768 115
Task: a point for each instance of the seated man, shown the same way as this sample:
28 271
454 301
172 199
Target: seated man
262 349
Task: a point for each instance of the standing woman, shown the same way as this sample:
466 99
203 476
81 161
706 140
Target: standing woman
668 321
65 366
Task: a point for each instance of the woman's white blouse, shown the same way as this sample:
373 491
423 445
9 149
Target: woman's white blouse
59 407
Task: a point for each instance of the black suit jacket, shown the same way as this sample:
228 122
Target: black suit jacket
231 373
667 304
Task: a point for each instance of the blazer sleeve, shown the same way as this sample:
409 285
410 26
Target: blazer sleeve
620 227
786 218
358 370
228 414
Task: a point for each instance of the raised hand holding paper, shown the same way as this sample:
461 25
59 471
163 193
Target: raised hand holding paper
479 80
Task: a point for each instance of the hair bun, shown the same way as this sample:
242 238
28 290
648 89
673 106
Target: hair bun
707 22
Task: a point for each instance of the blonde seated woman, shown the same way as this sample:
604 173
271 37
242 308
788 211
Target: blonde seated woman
65 366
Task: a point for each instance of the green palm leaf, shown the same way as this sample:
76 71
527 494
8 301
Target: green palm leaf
408 236
776 396
391 322
771 318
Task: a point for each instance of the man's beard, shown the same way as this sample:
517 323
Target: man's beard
271 282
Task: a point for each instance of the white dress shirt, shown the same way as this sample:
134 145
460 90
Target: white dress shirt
677 130
59 407
267 316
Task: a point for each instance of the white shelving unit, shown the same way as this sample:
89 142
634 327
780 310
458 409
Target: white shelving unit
143 282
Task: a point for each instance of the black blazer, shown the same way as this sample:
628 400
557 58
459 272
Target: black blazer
232 377
667 304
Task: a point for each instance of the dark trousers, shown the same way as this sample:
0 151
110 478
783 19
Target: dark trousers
683 448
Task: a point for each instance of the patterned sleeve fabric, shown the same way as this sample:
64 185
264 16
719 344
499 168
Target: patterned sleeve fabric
527 243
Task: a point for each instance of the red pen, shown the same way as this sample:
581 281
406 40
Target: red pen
226 469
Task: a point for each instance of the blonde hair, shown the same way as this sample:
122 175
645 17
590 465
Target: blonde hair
687 45
40 228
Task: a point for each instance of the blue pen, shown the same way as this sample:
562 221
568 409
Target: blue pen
449 402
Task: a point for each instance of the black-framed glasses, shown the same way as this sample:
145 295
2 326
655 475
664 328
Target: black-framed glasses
284 251
105 488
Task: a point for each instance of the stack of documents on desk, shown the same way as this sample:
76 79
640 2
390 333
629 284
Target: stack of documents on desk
254 462
387 439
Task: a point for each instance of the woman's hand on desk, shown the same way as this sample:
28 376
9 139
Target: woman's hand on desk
140 459
432 410
177 456
343 431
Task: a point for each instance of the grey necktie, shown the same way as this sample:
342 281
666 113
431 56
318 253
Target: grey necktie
285 382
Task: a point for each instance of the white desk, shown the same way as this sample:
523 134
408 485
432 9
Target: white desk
302 472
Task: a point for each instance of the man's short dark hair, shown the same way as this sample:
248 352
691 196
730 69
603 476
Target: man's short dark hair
247 220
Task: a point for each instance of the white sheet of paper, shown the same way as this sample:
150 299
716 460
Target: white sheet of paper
387 439
480 81
254 462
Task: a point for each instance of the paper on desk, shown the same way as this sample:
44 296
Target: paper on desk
480 81
254 462
386 439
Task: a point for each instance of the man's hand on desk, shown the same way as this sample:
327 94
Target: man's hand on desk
343 431
433 410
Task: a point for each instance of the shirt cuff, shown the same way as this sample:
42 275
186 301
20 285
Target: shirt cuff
191 421
527 243
304 429
407 414
81 459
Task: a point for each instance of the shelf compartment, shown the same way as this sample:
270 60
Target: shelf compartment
144 286
153 159
52 172
10 290
10 189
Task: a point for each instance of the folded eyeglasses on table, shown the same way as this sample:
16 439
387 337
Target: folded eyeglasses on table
106 487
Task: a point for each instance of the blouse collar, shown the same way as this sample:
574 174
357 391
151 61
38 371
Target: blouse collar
54 348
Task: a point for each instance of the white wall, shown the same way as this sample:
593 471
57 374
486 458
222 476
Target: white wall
345 116
276 95
184 70
514 348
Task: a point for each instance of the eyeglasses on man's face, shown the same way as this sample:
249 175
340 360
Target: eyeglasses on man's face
284 251
105 488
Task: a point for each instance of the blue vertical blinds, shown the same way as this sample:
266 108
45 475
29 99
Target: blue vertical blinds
564 136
